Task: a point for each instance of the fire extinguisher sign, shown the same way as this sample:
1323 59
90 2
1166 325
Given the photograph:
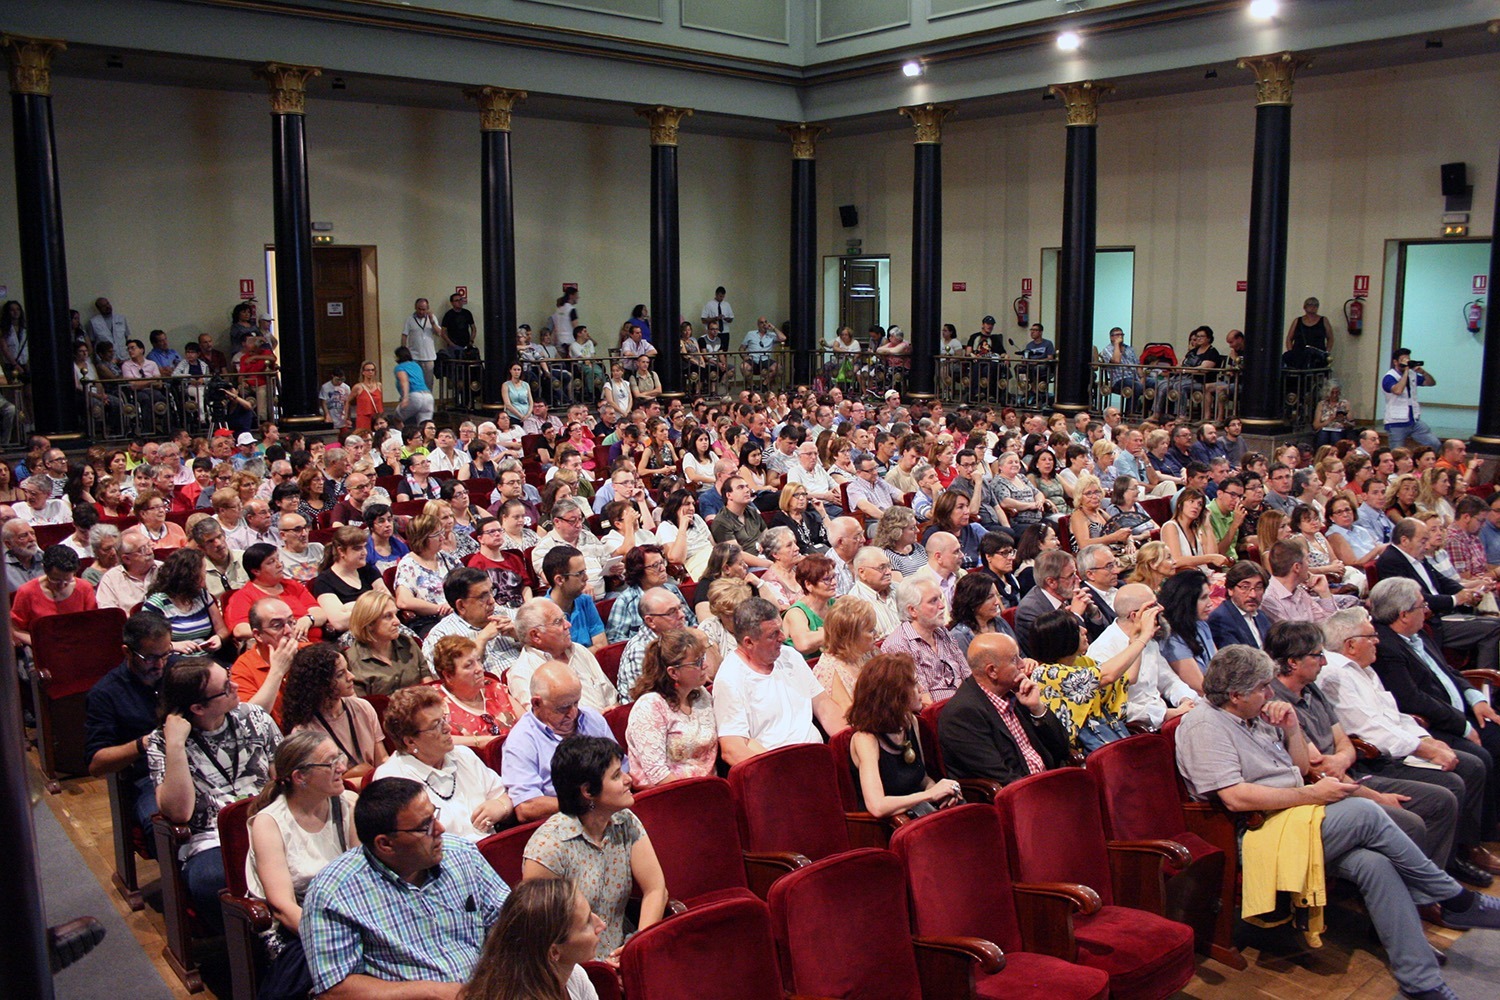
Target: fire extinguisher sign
1481 284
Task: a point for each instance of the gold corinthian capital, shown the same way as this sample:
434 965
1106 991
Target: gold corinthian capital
804 139
288 86
1081 100
495 105
1274 75
927 120
664 122
30 63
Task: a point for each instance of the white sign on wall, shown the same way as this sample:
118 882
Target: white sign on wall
335 309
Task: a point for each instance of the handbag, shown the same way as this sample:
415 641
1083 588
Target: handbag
1100 731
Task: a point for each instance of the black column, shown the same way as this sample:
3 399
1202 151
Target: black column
1262 406
44 267
1075 271
926 263
498 237
293 231
498 220
666 260
1487 436
804 257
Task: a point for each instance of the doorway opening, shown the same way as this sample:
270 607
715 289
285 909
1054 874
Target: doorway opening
1430 285
346 307
1114 293
857 294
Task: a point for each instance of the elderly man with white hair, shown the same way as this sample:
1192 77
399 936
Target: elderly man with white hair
546 634
845 538
941 665
1157 693
872 583
944 554
554 697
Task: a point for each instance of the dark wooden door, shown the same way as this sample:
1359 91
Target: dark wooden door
859 295
338 310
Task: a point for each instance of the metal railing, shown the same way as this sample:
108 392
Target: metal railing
121 408
15 413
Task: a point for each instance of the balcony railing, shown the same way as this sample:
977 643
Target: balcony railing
117 409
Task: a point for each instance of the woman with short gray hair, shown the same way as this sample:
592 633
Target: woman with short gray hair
779 545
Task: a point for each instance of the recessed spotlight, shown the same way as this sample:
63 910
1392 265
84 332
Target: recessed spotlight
912 68
114 62
1212 74
1434 43
1069 41
1264 10
339 84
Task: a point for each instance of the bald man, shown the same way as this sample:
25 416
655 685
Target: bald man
996 726
556 714
944 554
845 536
1157 694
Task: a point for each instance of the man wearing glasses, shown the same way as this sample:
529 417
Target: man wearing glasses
1226 514
568 529
661 610
513 487
411 907
350 509
546 634
1240 618
40 506
469 591
259 671
1157 693
121 713
209 751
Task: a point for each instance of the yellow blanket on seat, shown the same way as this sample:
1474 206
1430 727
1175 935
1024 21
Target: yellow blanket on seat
1286 855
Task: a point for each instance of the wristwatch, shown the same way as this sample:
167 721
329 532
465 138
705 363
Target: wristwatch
140 746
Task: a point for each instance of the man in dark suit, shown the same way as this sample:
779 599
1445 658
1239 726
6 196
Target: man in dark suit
1413 669
996 726
1451 604
1056 587
1240 619
1099 573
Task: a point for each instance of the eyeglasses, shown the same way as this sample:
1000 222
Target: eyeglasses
425 830
567 520
339 760
690 664
660 564
228 690
299 529
443 724
1232 493
153 659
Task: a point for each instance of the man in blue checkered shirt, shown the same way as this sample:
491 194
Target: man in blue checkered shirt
411 905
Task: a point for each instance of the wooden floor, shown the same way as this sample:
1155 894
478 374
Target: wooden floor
1347 967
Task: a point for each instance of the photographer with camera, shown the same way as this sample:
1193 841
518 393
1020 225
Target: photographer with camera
226 407
1403 414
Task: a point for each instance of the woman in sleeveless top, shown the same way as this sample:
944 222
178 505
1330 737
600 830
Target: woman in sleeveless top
1188 534
1309 332
885 752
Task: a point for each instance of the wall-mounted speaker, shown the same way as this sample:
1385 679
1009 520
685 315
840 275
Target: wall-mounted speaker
1455 178
849 215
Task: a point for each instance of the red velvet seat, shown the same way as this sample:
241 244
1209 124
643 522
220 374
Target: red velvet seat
865 830
71 653
492 752
51 534
693 829
618 719
504 850
609 661
1140 800
1054 833
842 930
246 917
788 800
982 903
688 955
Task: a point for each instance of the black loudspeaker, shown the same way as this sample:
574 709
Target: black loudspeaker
849 215
1455 179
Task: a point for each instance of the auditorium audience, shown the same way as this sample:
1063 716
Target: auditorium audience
672 733
890 776
556 713
318 695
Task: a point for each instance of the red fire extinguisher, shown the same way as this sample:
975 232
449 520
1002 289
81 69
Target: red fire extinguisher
1474 315
1354 316
1022 306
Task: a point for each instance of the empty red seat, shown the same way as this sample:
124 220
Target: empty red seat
720 951
842 930
504 850
609 661
1054 833
788 800
692 827
982 903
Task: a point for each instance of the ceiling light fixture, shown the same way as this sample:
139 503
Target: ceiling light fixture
1069 41
1264 10
912 68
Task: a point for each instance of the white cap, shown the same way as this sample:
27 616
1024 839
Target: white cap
245 438
892 394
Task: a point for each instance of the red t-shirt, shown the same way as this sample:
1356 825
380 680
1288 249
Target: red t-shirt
31 602
296 596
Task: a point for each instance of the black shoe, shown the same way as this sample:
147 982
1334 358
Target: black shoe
1444 992
69 942
1483 911
1470 874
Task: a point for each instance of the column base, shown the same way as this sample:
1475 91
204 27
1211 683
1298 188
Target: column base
307 425
1069 408
1265 427
923 398
69 440
1485 444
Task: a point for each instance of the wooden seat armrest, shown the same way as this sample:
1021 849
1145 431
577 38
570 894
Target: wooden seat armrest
176 833
981 791
1364 749
866 830
764 868
1045 912
1252 820
946 965
1481 676
43 675
1139 878
1136 728
251 910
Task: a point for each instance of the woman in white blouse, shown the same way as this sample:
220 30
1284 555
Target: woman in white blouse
617 390
672 733
468 795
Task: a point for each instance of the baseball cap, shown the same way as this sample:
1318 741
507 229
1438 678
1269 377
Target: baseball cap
245 438
223 432
988 319
892 394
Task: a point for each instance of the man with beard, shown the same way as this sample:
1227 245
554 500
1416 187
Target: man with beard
1157 693
23 561
1240 618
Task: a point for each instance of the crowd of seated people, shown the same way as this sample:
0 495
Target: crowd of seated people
515 637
